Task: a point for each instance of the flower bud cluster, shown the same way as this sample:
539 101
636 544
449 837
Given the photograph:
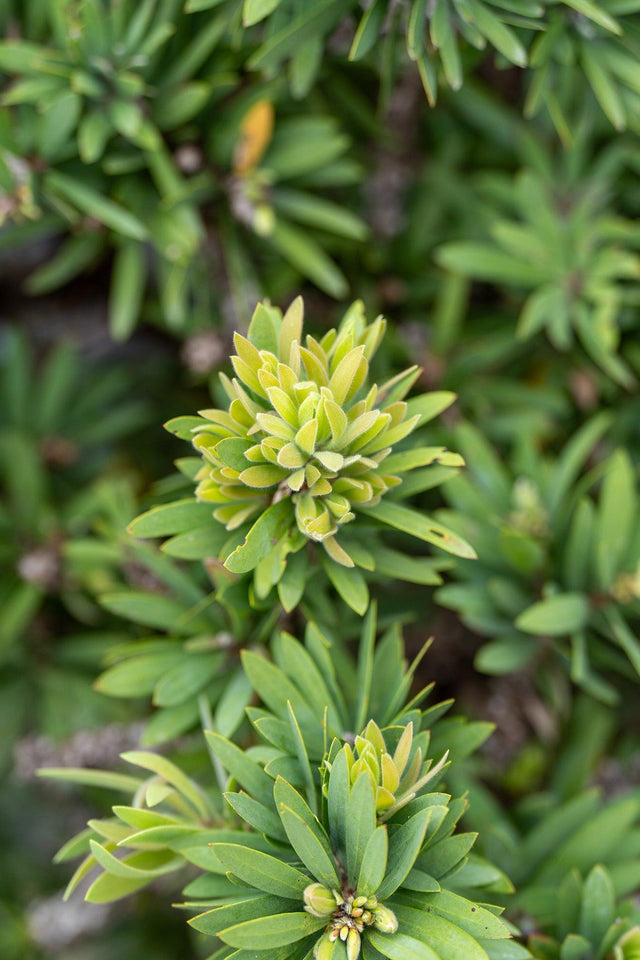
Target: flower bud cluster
349 915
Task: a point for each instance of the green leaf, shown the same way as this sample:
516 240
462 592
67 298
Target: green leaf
405 843
230 710
194 6
310 844
57 382
259 541
264 329
314 19
419 525
397 946
172 774
254 11
475 920
128 280
502 38
447 940
125 868
360 823
275 689
486 263
186 679
604 87
137 676
596 13
421 457
441 857
575 947
275 931
94 129
308 257
262 871
598 908
573 457
18 56
96 205
366 660
319 213
392 565
293 581
178 106
76 255
198 544
594 841
232 451
374 863
616 517
368 30
338 801
93 778
507 655
213 921
624 636
349 583
18 610
257 815
302 755
23 479
151 610
557 615
183 427
241 766
108 888
169 723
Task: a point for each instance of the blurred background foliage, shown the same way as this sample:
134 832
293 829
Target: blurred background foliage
469 169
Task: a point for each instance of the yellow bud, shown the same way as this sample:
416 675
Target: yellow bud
319 900
384 919
325 948
353 945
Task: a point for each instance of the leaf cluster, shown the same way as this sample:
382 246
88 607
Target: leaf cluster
557 558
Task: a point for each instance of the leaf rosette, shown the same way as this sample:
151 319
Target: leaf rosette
338 882
558 574
306 454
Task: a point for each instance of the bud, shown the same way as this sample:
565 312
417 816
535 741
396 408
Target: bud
325 948
353 945
319 900
385 920
629 946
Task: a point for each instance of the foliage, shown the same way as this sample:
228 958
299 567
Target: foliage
56 442
366 823
557 566
265 621
551 233
305 448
